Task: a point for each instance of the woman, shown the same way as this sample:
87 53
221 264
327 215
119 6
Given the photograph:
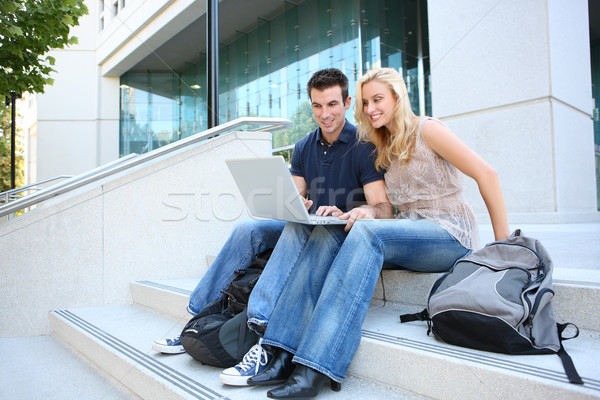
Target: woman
433 227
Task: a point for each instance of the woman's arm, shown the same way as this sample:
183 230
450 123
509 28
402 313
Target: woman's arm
378 206
451 148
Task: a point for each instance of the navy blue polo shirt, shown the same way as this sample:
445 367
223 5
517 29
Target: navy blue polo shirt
335 175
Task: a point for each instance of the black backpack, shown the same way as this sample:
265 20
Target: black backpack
499 299
218 335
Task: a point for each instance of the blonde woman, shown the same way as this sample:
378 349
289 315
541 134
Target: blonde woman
430 226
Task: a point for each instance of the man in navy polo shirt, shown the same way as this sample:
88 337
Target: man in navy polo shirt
336 166
334 173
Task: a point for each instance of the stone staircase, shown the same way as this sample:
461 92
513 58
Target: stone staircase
394 361
118 341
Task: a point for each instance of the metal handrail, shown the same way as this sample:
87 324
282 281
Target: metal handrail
30 200
12 195
32 186
122 165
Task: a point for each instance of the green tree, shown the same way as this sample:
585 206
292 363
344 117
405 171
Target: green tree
302 124
5 153
28 30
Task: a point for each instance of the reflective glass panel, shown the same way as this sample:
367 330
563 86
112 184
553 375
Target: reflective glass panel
264 71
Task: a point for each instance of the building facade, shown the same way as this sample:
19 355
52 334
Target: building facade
513 79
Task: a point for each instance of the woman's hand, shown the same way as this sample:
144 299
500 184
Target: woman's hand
363 212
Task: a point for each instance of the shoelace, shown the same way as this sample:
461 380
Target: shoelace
254 358
173 342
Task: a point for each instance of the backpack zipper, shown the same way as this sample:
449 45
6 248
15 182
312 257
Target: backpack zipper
541 265
538 300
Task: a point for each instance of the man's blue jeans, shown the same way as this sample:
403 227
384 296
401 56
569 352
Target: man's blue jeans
247 239
301 255
321 309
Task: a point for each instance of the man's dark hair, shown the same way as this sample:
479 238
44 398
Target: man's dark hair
326 78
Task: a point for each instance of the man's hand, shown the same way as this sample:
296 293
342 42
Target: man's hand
328 210
307 203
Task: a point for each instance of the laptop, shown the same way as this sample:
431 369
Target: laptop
269 191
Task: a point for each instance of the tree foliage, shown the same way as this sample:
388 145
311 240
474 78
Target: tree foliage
302 124
28 30
5 153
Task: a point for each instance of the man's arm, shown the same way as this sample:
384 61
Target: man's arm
302 188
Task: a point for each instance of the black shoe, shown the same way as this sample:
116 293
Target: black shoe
304 383
278 371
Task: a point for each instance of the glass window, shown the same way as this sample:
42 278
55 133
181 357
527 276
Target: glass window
264 72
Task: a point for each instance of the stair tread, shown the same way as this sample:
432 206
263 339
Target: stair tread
382 327
382 323
130 331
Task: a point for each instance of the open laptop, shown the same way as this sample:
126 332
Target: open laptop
269 191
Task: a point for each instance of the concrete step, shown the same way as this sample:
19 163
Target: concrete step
167 296
405 355
575 253
402 355
576 299
577 294
118 340
574 249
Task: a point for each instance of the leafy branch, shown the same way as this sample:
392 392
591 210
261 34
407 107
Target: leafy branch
28 30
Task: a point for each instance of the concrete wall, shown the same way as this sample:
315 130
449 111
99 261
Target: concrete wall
512 79
77 118
158 221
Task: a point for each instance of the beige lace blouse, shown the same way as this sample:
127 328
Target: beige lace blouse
430 188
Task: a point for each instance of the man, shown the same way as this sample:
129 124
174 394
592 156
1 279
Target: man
333 173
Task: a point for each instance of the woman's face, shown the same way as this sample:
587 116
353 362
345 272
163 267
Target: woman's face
378 103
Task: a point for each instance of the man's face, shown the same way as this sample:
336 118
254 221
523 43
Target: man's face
329 110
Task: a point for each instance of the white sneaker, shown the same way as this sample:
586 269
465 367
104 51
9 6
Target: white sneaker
255 360
168 346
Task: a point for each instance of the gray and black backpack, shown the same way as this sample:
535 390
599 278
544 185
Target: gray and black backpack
218 335
499 299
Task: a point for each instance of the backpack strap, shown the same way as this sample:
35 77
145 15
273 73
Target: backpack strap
420 316
516 233
242 334
562 327
566 359
569 367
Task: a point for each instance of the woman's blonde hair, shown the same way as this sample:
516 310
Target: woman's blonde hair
397 142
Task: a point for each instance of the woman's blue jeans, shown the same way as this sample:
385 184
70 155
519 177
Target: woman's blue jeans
322 307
